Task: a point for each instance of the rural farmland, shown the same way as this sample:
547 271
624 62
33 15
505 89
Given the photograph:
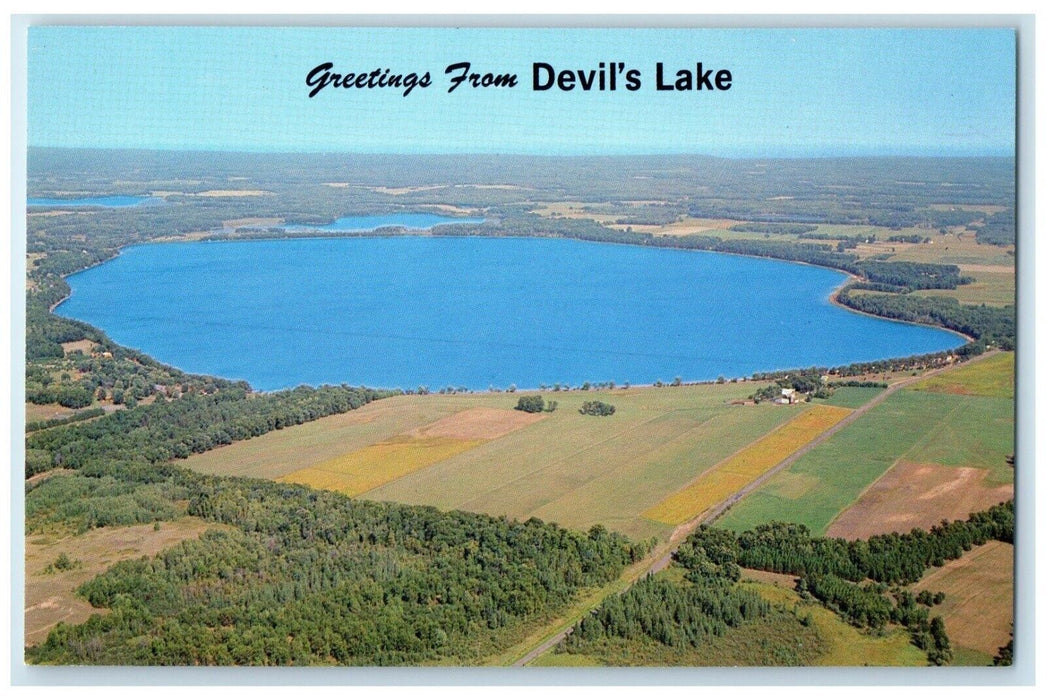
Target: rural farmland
564 467
951 431
212 518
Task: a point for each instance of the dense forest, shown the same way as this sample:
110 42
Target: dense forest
300 576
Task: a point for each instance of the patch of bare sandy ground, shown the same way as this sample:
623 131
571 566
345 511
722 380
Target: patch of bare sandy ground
912 495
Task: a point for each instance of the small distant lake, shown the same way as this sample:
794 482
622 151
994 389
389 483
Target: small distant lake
414 222
437 311
110 201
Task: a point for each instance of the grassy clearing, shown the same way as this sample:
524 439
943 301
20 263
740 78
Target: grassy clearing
46 411
84 346
367 468
845 645
918 426
50 596
989 287
993 376
961 656
744 467
978 604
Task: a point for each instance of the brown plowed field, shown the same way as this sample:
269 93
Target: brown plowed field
912 495
978 604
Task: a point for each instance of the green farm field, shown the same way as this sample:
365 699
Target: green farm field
991 287
942 429
567 468
990 377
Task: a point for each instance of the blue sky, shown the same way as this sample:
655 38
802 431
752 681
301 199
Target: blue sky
795 92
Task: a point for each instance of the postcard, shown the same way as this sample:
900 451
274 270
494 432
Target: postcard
589 347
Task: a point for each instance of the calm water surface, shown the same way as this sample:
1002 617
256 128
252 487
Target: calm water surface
475 312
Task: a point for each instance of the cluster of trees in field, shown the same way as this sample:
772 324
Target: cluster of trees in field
910 238
166 430
536 404
868 606
788 548
766 393
299 576
859 384
668 613
596 408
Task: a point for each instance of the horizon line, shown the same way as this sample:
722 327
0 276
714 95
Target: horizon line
536 154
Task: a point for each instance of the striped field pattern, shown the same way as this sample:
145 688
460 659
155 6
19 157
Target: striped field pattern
745 466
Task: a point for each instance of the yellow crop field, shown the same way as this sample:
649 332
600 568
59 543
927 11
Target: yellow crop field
364 469
745 466
989 377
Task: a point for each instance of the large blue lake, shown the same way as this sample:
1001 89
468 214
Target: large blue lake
475 312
